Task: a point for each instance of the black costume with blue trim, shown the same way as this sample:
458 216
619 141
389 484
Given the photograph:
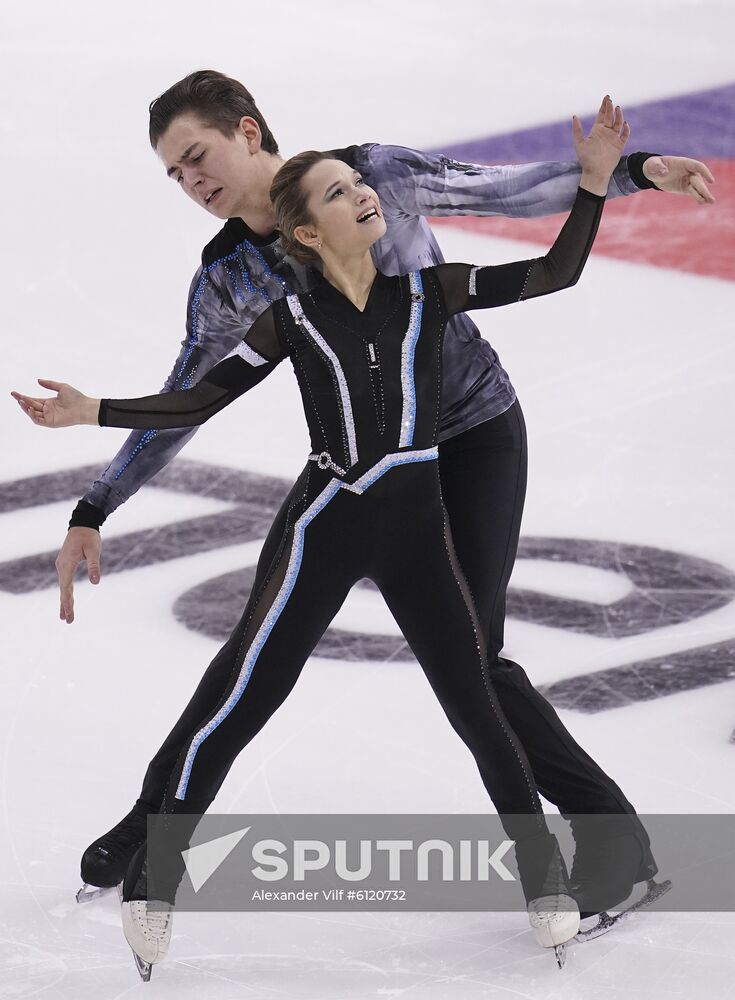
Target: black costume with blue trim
368 504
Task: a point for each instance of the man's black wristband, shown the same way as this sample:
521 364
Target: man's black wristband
86 515
635 169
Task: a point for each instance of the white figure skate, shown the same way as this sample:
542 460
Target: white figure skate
554 923
147 926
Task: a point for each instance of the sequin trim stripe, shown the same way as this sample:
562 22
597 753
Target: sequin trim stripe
146 437
187 382
344 392
248 247
194 338
289 581
408 352
388 462
246 352
472 289
261 637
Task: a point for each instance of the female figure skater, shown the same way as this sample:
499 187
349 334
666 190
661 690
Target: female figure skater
366 350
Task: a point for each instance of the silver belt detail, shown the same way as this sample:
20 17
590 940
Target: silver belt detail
324 461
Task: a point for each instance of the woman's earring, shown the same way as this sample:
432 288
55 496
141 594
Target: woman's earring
319 245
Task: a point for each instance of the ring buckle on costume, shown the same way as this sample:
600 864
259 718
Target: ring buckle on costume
417 296
324 461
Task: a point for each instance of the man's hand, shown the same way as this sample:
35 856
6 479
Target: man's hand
67 409
79 545
680 175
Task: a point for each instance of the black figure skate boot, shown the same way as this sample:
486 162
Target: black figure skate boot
105 862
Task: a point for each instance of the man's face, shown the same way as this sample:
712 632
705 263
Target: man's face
217 172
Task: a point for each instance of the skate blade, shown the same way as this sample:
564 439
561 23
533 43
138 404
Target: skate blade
560 951
144 968
607 921
90 892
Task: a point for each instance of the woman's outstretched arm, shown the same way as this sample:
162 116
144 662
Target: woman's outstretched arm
251 361
470 287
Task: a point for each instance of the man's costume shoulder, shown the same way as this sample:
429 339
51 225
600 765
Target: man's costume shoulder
230 236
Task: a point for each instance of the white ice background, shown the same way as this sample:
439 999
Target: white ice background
626 383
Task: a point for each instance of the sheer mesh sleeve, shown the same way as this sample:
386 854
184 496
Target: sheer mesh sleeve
469 287
248 364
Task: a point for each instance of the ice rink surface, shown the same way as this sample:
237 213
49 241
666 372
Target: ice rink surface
627 386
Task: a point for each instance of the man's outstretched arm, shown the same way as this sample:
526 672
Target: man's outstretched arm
145 453
412 182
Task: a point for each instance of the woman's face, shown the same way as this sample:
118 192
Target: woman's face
346 213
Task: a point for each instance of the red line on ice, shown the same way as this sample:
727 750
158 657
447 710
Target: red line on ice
650 227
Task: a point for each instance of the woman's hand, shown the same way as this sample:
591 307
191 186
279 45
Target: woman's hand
68 408
600 152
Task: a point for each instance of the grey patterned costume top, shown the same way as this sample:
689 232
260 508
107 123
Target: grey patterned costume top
242 273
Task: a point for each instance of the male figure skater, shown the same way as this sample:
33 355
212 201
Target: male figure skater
215 143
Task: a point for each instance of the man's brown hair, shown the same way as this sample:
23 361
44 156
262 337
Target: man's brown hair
218 100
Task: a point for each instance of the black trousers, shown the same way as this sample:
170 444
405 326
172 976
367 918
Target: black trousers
395 532
483 483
